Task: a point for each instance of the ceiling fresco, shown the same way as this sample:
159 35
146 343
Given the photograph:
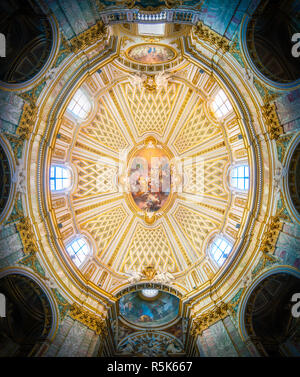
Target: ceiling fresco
138 214
150 179
149 312
151 54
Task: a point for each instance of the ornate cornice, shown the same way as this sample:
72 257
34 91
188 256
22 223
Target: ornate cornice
271 235
274 127
88 37
206 34
269 241
89 319
27 121
209 318
27 236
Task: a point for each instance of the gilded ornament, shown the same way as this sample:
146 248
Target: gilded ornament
27 121
92 321
88 37
208 35
209 318
25 230
274 127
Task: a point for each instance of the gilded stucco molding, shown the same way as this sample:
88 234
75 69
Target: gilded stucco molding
207 319
269 241
27 236
25 127
206 34
27 121
87 38
272 233
92 321
272 121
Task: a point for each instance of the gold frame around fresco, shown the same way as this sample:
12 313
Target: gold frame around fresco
151 43
128 196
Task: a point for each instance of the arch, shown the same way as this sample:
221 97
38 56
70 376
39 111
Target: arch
135 343
7 171
290 180
267 43
146 285
32 41
49 294
31 307
248 296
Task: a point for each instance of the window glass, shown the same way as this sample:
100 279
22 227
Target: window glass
221 105
78 250
60 178
80 105
240 177
220 249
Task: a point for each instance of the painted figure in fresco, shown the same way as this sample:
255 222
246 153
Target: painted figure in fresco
129 348
128 307
145 318
151 54
172 347
150 191
137 310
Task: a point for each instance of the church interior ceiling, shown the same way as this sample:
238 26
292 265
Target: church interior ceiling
149 177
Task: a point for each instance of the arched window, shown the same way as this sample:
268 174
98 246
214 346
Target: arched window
240 178
60 178
220 249
80 106
221 105
78 250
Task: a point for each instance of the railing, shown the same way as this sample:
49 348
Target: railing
137 16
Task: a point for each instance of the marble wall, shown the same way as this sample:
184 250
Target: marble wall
11 248
73 339
222 339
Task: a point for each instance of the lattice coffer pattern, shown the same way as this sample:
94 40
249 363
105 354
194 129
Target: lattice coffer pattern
105 130
195 226
196 130
206 178
149 247
104 226
94 177
151 109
